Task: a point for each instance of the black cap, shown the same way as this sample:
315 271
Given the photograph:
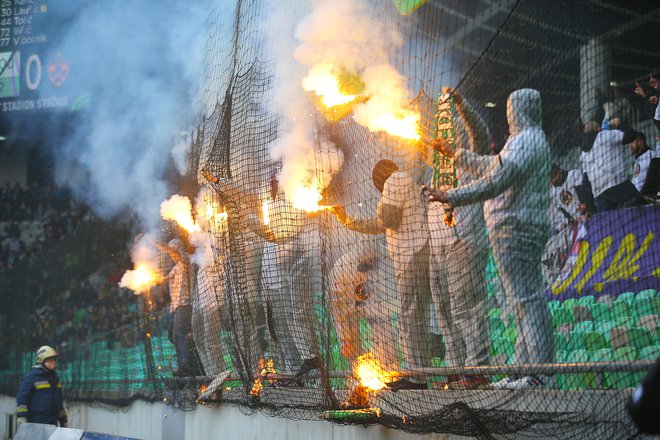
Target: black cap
629 139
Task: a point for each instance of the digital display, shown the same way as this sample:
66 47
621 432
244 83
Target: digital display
34 76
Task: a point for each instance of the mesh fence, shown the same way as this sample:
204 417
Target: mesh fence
462 243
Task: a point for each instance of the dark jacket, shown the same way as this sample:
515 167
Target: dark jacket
39 397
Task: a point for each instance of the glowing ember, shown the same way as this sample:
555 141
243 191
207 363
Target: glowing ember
308 199
141 279
370 373
266 367
179 209
202 388
257 386
323 83
264 211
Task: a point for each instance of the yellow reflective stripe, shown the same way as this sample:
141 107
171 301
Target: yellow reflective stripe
59 385
41 384
21 409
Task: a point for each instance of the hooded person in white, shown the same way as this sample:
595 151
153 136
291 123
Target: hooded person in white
518 224
401 216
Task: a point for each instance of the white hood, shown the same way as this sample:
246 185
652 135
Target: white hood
523 110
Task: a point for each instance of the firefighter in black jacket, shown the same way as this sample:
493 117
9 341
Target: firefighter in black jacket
39 398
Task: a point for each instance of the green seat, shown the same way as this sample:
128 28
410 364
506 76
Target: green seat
560 356
601 355
553 305
569 303
594 341
511 334
648 293
574 381
626 297
656 305
620 310
650 353
586 300
650 322
623 379
640 338
503 345
604 328
575 341
561 344
497 327
584 326
600 312
562 316
642 307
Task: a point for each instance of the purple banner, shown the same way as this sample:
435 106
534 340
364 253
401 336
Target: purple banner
615 252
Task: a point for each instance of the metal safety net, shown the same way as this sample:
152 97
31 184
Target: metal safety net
434 216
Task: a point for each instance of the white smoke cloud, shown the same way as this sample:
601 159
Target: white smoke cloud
141 63
344 33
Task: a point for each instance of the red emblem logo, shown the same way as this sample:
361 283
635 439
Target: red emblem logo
58 71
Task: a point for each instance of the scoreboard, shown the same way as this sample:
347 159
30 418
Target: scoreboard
34 75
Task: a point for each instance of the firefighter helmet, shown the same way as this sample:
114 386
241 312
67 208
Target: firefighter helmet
44 353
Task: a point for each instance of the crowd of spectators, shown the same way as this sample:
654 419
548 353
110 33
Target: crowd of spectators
59 269
616 147
33 217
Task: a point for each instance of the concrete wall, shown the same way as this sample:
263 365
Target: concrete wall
160 422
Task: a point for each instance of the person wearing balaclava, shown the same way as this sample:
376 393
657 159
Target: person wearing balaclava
518 226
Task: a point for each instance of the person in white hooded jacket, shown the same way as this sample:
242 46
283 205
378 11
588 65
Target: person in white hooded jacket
518 225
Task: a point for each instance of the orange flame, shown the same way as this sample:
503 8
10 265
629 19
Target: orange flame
308 199
370 372
323 83
257 386
264 211
141 279
403 127
179 209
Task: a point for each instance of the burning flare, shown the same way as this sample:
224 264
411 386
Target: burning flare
308 199
370 373
141 279
178 208
325 84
